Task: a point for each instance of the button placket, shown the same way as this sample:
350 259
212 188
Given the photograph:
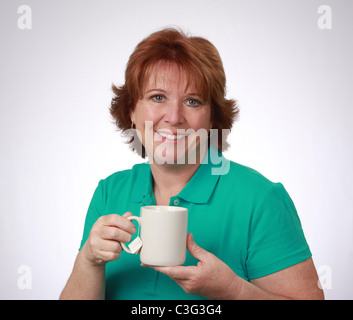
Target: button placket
147 200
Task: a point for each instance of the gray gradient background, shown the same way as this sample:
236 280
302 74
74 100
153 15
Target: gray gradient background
293 82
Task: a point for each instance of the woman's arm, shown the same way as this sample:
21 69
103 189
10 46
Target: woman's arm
299 281
213 279
87 280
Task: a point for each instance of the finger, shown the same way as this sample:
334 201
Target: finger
114 233
127 214
115 220
196 251
110 246
109 255
175 273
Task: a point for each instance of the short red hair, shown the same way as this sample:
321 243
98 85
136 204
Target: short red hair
196 56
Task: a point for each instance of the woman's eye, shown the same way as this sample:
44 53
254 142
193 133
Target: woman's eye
157 98
193 102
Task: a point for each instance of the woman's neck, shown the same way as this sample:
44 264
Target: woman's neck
169 180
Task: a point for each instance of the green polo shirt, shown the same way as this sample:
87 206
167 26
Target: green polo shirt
247 221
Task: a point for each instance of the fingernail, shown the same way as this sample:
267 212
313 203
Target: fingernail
133 229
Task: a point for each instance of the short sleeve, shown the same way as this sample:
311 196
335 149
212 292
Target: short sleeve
95 210
276 239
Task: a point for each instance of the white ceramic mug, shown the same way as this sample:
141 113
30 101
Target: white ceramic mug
163 235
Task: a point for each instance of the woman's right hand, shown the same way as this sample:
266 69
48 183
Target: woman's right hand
103 243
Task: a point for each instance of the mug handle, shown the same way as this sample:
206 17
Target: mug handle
138 219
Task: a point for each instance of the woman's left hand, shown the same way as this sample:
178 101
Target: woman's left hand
211 278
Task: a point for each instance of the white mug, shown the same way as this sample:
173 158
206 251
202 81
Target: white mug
163 235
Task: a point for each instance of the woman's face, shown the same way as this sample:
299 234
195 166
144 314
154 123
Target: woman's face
172 119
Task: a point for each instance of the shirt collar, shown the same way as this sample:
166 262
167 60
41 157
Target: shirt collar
142 190
202 184
198 190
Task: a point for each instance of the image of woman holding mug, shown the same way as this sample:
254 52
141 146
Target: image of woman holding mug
249 243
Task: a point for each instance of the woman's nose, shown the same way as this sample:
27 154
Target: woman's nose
174 114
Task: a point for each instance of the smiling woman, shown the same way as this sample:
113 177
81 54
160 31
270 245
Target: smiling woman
252 245
176 113
169 58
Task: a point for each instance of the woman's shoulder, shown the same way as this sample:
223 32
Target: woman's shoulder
241 171
250 180
123 176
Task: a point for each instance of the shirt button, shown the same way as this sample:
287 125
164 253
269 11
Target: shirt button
147 199
176 202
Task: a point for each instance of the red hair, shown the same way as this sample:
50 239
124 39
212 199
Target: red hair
196 56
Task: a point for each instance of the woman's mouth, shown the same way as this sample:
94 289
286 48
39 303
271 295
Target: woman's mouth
170 137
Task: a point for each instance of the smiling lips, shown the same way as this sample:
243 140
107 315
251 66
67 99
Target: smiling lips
170 137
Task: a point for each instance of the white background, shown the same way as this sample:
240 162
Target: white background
293 82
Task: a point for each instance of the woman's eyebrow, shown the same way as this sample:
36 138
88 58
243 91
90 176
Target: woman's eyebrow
193 94
156 89
164 91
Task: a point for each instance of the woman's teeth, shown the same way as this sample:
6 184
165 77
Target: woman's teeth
171 136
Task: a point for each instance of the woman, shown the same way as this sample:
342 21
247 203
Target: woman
251 244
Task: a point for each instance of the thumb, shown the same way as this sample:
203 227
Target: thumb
196 251
127 214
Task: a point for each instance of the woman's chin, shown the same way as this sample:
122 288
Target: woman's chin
170 156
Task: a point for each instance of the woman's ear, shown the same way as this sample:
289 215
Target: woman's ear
132 117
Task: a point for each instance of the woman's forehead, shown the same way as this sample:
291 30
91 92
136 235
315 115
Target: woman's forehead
167 75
